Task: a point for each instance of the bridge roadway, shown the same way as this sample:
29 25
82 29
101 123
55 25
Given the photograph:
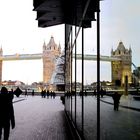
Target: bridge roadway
43 119
39 56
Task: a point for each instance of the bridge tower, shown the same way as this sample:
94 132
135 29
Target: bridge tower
51 52
122 68
1 53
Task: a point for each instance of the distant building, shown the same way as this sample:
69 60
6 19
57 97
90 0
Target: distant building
12 83
136 76
122 68
51 52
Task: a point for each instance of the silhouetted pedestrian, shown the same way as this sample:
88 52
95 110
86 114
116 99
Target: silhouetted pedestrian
33 93
43 93
11 94
18 92
6 113
116 98
94 92
85 93
80 93
102 92
54 94
51 94
26 93
48 93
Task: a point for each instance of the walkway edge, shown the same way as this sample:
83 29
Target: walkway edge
18 100
73 130
132 108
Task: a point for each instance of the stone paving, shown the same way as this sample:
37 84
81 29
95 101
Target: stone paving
43 119
40 119
125 101
122 124
114 125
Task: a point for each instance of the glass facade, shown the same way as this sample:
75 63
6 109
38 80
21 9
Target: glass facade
78 105
91 115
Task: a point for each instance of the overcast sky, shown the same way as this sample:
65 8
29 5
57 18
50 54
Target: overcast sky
19 33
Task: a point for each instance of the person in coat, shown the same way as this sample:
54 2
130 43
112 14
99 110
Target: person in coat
116 99
7 118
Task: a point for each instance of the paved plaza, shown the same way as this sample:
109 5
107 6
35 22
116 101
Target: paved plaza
39 119
122 124
44 119
125 102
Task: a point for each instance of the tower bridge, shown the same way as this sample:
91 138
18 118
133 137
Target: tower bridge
88 57
21 57
121 61
91 57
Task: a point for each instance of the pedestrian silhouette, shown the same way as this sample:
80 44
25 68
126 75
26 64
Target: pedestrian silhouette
48 93
7 118
11 93
43 93
33 93
18 92
85 93
26 93
116 98
54 94
94 93
101 92
80 93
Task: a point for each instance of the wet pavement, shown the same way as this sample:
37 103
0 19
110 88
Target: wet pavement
114 125
44 119
39 119
125 101
122 124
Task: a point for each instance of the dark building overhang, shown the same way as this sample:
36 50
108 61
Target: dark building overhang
72 12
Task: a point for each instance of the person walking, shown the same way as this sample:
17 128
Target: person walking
26 93
116 99
33 93
7 118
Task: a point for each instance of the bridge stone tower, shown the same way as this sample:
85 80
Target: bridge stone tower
122 68
51 52
1 53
